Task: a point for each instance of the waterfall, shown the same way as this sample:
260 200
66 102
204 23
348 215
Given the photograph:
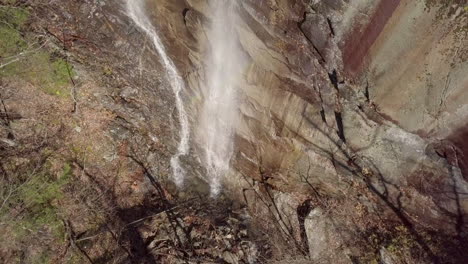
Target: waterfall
218 118
136 11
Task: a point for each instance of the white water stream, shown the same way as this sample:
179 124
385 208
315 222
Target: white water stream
225 63
218 117
136 11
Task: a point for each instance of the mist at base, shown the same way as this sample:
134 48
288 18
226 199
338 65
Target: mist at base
219 115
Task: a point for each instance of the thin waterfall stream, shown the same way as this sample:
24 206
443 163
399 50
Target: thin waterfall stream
219 116
136 11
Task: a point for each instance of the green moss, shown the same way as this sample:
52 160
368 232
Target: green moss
37 66
49 74
15 17
11 42
74 259
42 218
36 196
12 20
42 258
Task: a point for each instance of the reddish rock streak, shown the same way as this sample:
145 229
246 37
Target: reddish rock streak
359 42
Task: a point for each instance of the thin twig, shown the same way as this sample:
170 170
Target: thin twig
21 55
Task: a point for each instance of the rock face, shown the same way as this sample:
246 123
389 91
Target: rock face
339 95
353 115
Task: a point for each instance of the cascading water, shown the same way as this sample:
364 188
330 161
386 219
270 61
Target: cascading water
219 113
136 11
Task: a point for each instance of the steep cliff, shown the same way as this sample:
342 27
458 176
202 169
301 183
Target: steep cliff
356 109
350 146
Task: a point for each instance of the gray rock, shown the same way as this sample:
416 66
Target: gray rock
230 257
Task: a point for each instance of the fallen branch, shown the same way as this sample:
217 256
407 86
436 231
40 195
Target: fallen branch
10 115
20 56
72 241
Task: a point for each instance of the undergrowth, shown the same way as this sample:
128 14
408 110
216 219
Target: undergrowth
24 56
